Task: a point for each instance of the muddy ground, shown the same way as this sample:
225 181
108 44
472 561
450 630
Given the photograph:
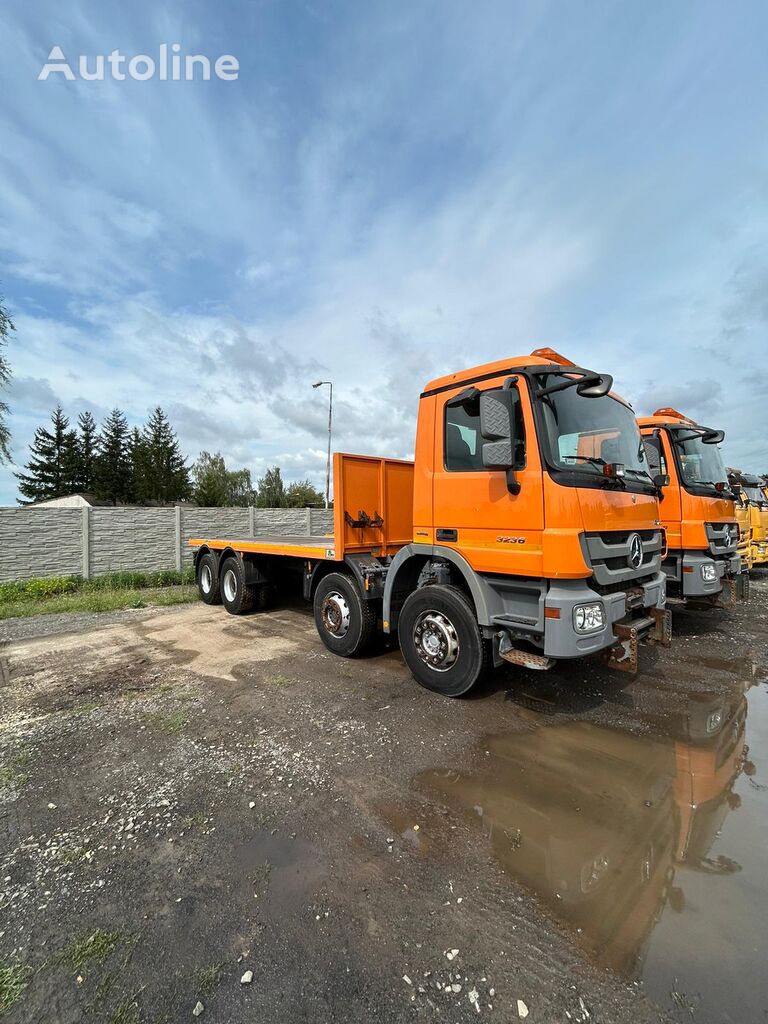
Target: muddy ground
186 797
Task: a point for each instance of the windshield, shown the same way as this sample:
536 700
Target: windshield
699 463
585 434
755 495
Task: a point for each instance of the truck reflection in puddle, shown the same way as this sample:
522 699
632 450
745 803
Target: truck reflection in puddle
597 822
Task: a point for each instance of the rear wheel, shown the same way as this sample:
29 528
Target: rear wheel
346 623
208 579
237 596
441 640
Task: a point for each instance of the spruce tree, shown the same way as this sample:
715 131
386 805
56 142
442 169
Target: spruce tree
51 471
113 476
138 463
87 451
164 476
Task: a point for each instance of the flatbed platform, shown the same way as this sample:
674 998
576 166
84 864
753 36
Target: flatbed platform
270 544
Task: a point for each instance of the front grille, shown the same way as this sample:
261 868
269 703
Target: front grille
719 545
608 553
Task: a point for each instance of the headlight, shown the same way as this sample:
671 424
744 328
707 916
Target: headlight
587 618
708 572
714 721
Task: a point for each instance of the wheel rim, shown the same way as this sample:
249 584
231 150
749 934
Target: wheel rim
436 641
230 585
335 614
206 579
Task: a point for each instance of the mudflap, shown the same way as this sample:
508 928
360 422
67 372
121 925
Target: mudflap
727 596
654 628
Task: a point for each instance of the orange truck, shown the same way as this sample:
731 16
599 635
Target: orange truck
697 511
751 495
501 541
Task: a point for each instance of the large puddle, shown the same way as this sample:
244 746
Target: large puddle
653 848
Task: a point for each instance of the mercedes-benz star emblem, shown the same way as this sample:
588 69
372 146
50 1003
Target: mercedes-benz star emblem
727 536
635 551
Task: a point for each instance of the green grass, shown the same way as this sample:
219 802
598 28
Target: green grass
126 1012
207 978
72 854
14 978
172 722
98 599
13 775
276 679
91 949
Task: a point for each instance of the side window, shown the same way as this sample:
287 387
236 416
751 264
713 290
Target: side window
655 455
463 443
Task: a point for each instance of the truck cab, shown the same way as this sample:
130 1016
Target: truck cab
743 519
702 564
752 497
533 494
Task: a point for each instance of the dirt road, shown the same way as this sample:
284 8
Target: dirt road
186 797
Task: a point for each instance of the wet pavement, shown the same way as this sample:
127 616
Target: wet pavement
651 845
213 795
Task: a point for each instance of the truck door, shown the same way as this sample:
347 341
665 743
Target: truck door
661 460
474 510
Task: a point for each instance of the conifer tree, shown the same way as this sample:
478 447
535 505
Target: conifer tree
51 471
113 473
87 451
164 476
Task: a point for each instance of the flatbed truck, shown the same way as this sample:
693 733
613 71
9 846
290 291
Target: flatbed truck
702 564
501 541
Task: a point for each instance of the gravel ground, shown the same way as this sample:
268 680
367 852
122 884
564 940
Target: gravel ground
186 797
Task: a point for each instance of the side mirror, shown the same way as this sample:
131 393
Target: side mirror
497 428
661 480
713 437
595 389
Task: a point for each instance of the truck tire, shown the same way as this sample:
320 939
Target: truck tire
237 597
441 640
346 623
208 579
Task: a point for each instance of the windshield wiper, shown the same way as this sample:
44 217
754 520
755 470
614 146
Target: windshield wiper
594 459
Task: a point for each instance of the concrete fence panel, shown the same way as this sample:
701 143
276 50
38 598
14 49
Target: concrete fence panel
60 541
141 539
40 542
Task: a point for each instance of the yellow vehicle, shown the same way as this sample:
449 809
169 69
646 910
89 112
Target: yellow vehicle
504 540
744 520
696 510
752 493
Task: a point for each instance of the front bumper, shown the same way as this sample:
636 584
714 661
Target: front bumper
636 603
693 584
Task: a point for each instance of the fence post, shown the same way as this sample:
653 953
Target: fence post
252 520
86 543
308 520
177 510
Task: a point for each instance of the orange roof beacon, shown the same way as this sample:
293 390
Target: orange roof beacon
702 564
525 530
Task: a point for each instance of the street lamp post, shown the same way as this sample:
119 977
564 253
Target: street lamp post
330 425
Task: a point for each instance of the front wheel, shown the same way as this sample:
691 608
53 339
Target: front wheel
346 623
441 640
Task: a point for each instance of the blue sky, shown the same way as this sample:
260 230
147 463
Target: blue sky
387 192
